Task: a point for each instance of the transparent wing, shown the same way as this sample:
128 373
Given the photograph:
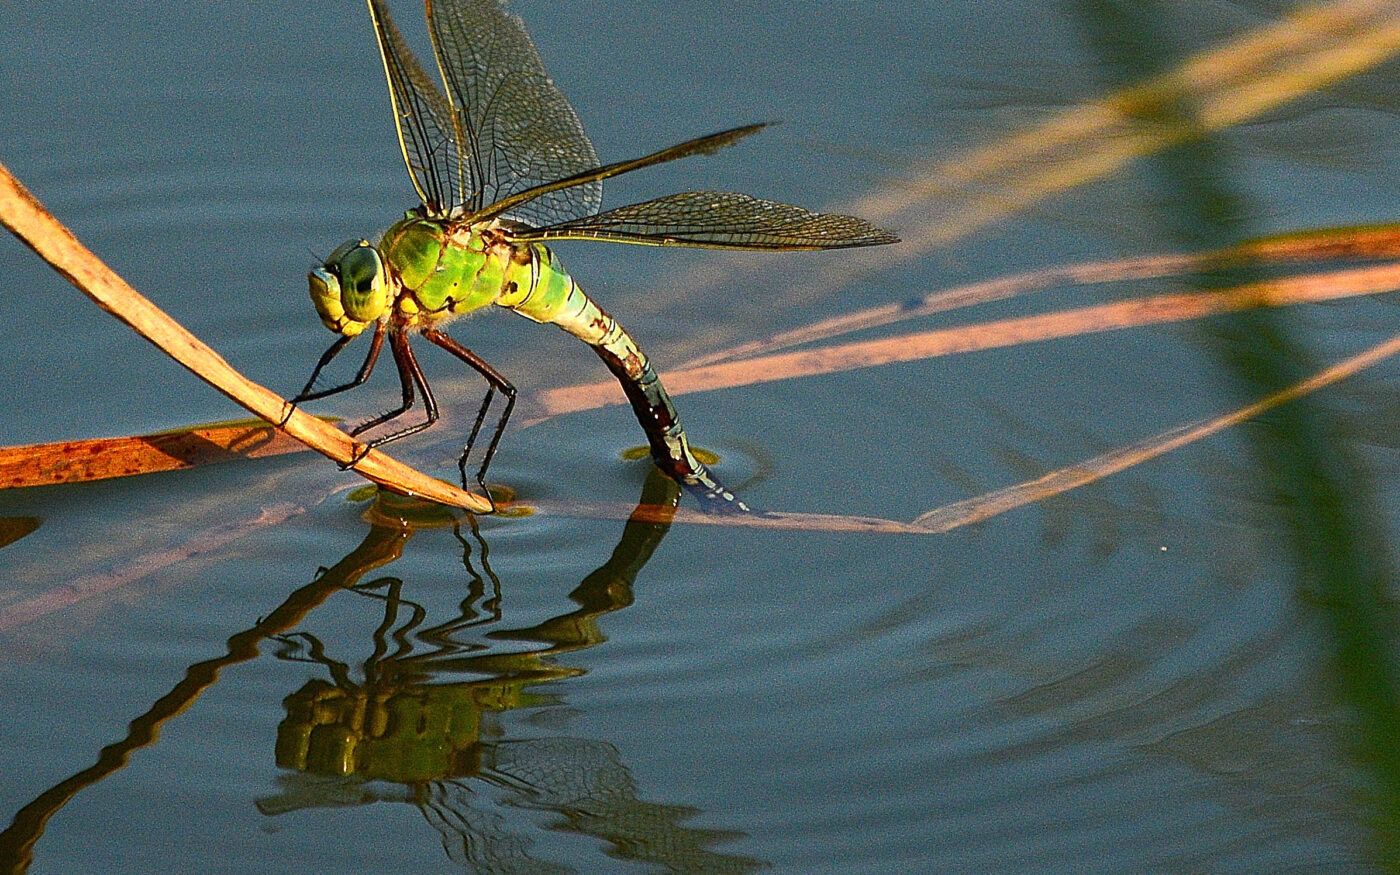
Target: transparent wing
698 146
427 125
717 220
518 129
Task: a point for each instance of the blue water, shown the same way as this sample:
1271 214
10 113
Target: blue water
1145 674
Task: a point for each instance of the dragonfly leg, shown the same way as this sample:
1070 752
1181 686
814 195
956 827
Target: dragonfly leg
376 344
495 382
410 375
307 393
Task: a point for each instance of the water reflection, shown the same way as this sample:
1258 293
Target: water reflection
417 719
1320 491
415 722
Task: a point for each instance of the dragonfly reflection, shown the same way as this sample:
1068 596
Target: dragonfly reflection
417 721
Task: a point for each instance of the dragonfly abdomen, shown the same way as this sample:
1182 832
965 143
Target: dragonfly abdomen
537 287
540 289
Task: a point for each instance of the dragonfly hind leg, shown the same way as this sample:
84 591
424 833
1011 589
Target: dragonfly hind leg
495 382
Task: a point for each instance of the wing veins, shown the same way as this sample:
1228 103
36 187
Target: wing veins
427 125
699 146
717 220
517 129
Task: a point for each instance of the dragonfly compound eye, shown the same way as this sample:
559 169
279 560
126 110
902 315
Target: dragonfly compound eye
363 291
349 290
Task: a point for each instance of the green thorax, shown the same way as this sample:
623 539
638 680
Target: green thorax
445 269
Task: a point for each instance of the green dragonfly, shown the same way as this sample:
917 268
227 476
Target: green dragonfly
501 164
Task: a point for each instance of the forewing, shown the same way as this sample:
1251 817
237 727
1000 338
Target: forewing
718 220
428 132
519 131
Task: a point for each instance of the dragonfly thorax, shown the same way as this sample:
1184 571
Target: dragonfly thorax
443 268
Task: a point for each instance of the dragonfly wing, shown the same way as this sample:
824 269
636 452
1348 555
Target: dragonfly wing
717 220
698 146
427 125
519 130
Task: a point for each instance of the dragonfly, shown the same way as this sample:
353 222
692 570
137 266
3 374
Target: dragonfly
501 165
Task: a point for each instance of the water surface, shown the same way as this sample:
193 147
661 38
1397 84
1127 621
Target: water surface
1183 667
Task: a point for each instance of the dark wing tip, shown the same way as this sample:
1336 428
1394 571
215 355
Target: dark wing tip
714 142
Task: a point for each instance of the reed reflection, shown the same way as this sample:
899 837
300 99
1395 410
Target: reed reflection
1321 491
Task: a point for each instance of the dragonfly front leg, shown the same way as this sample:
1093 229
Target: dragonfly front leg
306 394
494 382
376 344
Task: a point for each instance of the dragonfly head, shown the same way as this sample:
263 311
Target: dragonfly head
351 290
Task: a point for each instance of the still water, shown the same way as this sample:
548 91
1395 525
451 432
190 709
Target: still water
1185 666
